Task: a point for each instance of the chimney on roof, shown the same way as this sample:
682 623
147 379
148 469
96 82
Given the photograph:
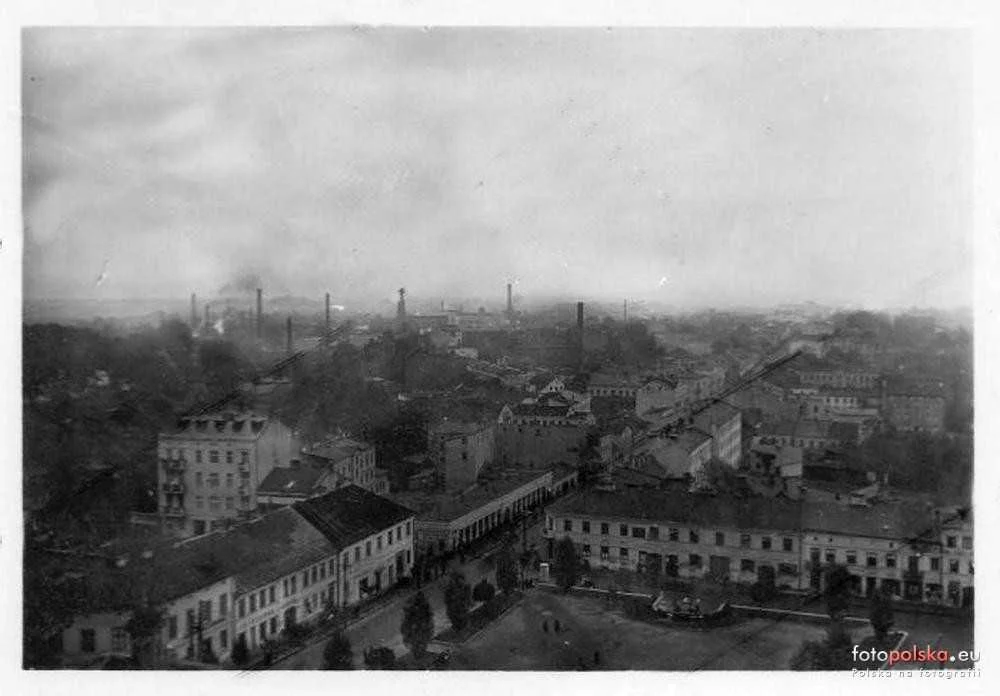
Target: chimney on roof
260 312
288 334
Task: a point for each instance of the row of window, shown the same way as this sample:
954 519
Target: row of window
213 480
378 542
694 560
214 503
214 456
674 534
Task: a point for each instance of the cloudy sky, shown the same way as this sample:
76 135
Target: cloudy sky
690 166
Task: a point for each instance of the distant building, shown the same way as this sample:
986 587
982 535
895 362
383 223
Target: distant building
211 468
807 434
914 406
538 433
675 457
461 450
840 378
723 423
350 461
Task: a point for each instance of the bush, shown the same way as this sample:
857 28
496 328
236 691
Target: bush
484 591
380 658
418 624
337 653
240 654
762 591
458 600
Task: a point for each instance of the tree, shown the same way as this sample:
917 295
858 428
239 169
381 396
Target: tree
566 565
484 591
143 627
881 615
380 658
458 600
418 624
833 653
337 653
506 571
838 591
240 653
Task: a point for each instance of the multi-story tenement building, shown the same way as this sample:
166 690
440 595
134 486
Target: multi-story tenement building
914 406
744 540
723 423
253 581
538 433
461 450
211 467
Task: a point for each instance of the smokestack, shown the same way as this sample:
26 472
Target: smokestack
194 310
260 312
510 302
288 332
328 312
208 315
579 317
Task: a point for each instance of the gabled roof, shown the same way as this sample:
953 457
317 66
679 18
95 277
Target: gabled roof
350 514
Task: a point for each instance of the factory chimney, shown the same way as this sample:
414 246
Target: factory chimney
328 312
401 305
208 315
194 311
288 334
510 302
260 312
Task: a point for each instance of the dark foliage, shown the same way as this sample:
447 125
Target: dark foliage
457 600
418 624
484 591
337 653
566 564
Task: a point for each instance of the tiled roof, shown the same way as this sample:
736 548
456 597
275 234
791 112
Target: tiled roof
350 514
900 520
221 425
448 506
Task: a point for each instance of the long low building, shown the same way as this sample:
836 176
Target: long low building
447 521
900 547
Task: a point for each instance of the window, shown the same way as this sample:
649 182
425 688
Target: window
357 553
322 571
654 533
314 578
693 536
694 560
639 532
604 553
378 542
224 639
229 456
935 563
567 525
223 604
284 587
605 528
852 558
623 554
295 583
229 480
747 565
890 560
274 625
197 456
951 541
786 543
213 480
253 603
305 579
213 456
368 549
271 594
967 543
953 565
623 530
333 564
388 538
242 608
674 534
171 627
745 541
586 550
88 640
407 529
586 526
720 539
831 557
190 621
872 560
787 569
765 543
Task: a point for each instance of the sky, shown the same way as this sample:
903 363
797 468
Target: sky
692 167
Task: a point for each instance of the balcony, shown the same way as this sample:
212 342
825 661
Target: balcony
913 576
174 511
175 464
173 487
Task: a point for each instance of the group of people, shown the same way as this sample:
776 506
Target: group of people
687 606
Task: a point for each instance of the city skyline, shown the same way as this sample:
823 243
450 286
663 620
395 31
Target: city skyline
637 163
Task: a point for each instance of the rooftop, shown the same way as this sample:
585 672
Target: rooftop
336 449
289 481
446 506
350 514
245 425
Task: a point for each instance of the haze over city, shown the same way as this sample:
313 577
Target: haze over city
690 167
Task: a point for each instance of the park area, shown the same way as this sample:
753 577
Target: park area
556 631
